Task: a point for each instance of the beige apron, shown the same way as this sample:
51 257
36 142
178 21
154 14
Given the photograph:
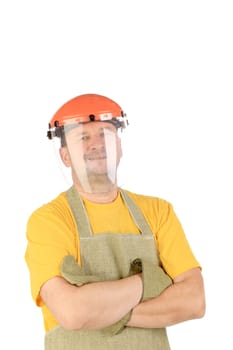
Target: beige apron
110 255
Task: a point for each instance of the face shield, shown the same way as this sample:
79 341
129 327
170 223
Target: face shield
91 152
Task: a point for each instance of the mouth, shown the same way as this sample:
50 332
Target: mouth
96 156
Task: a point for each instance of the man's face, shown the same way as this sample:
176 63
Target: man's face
94 151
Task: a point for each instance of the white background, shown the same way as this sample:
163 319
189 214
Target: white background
169 65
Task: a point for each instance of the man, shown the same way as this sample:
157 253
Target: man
109 268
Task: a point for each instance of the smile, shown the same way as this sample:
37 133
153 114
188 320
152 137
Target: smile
96 158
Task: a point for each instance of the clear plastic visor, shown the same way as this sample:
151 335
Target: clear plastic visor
92 152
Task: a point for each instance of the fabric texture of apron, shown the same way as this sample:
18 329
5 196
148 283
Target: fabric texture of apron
110 255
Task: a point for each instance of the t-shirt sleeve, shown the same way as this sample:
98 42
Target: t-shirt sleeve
174 249
50 237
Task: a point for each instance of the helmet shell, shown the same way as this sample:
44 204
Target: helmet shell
86 108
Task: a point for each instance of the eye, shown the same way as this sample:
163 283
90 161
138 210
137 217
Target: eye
83 137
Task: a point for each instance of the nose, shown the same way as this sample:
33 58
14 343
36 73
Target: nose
96 142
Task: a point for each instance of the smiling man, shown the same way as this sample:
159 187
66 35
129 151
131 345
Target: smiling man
110 269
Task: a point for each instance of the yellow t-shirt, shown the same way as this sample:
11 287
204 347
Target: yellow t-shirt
52 234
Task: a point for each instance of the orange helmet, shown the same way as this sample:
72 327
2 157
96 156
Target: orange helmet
84 109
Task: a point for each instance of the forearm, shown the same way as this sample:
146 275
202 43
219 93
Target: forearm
107 302
94 305
182 301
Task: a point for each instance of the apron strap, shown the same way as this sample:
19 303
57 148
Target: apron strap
81 217
79 212
136 214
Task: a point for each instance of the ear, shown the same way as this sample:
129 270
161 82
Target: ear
65 157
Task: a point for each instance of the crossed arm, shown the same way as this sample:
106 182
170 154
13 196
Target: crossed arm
100 304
